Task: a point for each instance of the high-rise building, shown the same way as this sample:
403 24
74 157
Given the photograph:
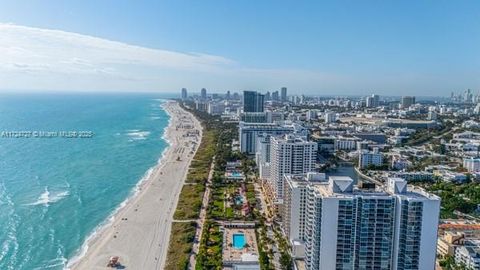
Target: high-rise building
283 96
261 117
248 134
468 96
330 117
262 155
376 100
201 106
268 96
311 115
203 94
369 102
215 108
184 93
294 203
372 101
227 96
289 154
275 96
350 228
407 101
253 101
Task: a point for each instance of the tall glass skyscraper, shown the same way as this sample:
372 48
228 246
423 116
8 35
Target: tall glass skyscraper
283 94
253 101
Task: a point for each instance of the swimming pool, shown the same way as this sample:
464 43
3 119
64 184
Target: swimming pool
236 174
238 240
238 200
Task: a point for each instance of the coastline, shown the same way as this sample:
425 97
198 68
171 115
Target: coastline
138 231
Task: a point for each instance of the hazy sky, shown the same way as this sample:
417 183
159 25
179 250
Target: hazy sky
312 47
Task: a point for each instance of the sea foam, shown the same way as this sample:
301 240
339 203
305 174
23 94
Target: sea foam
47 198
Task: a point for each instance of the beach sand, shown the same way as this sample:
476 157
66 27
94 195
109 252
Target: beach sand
140 231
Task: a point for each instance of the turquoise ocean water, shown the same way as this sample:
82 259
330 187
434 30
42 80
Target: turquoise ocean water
56 191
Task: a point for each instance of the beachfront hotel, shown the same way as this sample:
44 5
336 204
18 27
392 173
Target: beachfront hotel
350 228
239 249
289 154
294 208
249 132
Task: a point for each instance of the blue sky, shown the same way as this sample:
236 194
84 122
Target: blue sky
312 47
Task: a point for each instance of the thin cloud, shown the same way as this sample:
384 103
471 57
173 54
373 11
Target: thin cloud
43 59
34 58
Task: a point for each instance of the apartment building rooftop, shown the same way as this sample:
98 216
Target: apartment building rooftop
343 187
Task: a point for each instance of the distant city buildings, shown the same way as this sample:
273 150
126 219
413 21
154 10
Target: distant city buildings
201 105
407 101
216 108
283 94
373 101
294 208
335 223
184 93
275 96
203 94
330 117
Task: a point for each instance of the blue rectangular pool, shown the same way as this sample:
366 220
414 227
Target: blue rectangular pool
238 240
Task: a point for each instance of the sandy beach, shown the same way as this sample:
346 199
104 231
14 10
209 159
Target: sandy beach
140 231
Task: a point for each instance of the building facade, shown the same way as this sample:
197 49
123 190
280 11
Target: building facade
468 255
289 154
349 228
367 158
283 94
249 132
253 101
407 101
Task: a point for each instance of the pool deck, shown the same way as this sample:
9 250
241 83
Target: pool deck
230 253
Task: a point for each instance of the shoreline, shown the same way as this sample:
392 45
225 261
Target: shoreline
81 252
107 236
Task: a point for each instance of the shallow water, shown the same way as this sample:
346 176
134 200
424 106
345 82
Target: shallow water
57 188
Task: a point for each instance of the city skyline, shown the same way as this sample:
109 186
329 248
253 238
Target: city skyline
313 48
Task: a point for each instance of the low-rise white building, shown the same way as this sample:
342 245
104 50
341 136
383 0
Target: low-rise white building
472 164
344 143
468 255
330 117
366 158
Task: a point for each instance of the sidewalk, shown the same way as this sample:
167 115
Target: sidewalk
201 218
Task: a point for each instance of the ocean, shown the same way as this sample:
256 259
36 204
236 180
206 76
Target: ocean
67 162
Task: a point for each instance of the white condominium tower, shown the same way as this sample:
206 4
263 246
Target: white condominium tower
290 154
350 228
293 208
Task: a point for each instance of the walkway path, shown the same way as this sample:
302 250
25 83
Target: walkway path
201 218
